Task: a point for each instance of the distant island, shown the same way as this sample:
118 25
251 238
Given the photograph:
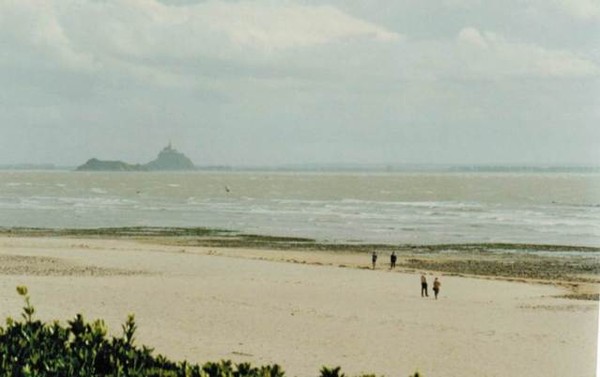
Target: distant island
168 159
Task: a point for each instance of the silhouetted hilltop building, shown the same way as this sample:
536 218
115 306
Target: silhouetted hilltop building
168 159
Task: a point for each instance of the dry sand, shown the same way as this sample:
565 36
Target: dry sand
206 304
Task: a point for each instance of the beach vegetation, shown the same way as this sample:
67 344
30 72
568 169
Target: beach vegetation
32 348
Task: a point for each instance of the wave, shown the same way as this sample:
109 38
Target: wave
301 210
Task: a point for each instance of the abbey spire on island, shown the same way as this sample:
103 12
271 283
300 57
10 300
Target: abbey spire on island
168 159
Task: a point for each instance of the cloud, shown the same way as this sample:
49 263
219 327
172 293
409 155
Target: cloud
583 9
182 45
490 54
472 36
273 27
214 44
147 27
30 27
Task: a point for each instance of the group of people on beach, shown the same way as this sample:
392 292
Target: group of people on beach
436 287
424 293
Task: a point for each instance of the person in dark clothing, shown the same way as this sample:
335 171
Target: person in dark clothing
436 287
374 259
424 286
393 260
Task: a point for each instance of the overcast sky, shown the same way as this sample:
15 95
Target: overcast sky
280 82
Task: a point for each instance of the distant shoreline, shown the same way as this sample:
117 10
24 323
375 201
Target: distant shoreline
554 264
341 168
238 238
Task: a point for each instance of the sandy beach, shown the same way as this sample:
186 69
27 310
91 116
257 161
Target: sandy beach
303 309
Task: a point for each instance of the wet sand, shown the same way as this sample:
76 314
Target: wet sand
208 303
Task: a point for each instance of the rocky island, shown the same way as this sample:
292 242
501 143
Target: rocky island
168 159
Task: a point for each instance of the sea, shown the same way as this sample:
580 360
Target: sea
352 207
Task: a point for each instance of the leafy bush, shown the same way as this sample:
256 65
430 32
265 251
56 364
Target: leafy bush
31 348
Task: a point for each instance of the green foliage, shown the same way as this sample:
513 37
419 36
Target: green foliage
337 372
31 348
332 372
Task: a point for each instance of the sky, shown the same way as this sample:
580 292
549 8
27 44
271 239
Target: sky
292 82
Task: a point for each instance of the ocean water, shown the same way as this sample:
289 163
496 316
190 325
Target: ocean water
415 208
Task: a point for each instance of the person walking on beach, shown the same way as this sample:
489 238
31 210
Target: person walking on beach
424 286
393 260
374 259
436 287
